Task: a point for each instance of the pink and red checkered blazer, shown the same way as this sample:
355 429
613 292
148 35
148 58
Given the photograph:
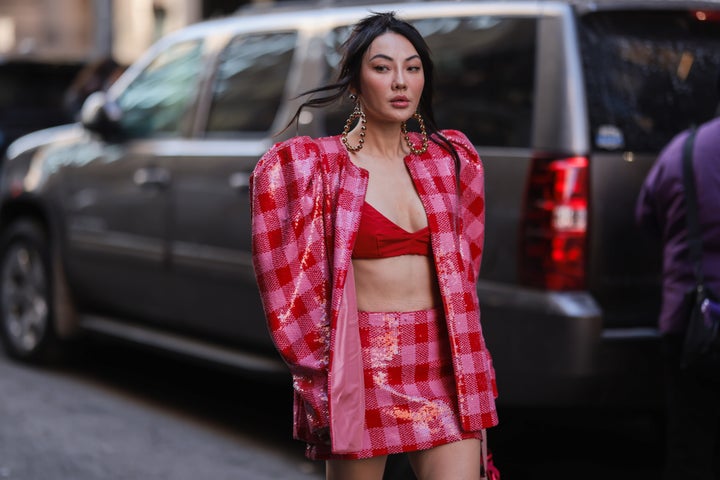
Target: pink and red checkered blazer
306 200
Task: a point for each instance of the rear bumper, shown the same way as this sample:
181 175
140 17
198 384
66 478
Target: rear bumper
549 349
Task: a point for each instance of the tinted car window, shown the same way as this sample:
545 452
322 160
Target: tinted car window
158 100
484 76
250 82
649 75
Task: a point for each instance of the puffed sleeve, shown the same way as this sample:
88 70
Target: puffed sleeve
472 196
290 260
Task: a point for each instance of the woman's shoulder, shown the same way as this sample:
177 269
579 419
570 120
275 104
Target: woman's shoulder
296 152
303 156
458 139
462 144
304 146
297 145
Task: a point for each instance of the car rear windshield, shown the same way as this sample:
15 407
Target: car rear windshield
649 75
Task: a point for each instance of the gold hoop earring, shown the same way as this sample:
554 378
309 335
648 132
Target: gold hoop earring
356 113
423 133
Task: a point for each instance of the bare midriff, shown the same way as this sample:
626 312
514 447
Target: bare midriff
404 283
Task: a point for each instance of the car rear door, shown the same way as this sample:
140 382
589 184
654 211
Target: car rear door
213 279
118 203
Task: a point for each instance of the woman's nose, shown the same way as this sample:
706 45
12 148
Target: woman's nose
399 84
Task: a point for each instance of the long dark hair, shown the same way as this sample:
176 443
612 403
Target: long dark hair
354 48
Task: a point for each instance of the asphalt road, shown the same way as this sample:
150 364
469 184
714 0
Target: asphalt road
578 444
116 413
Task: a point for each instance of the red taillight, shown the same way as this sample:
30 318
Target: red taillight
554 227
706 15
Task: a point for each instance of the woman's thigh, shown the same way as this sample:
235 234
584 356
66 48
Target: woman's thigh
458 460
363 469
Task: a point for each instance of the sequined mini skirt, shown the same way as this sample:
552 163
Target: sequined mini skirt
410 394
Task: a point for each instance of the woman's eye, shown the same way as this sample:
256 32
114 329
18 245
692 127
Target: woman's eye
414 69
381 68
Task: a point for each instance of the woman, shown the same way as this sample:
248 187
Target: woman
366 256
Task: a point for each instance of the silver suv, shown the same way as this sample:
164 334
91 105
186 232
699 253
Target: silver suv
135 222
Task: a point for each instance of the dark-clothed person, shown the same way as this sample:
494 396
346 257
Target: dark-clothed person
693 405
661 207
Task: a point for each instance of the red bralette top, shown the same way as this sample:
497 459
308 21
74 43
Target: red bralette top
378 237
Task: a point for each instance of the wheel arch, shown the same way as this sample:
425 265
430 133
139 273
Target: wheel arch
65 317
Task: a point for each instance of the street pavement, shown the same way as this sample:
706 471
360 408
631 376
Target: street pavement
111 421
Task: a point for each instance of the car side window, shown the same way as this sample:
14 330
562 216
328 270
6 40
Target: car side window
157 102
484 76
250 82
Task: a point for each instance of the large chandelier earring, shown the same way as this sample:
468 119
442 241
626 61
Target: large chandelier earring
423 133
356 113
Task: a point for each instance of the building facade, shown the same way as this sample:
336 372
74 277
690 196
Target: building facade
84 30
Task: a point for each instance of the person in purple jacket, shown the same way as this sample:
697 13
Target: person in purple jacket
693 405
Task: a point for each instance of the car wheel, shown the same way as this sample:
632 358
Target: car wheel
25 292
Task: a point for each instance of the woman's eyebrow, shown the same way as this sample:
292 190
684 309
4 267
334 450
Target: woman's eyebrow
386 57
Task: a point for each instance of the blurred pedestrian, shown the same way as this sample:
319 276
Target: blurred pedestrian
692 403
367 246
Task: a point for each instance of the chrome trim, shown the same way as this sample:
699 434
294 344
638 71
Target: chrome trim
637 333
185 254
564 304
203 147
118 244
508 152
176 343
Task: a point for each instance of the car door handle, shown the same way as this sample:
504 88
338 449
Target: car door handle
151 177
240 181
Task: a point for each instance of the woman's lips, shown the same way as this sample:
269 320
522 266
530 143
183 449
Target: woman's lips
400 102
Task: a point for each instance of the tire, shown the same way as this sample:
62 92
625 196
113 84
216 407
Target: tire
26 317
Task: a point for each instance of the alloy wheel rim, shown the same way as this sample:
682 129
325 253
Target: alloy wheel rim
24 298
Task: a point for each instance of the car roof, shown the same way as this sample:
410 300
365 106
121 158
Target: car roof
584 6
314 6
322 14
309 15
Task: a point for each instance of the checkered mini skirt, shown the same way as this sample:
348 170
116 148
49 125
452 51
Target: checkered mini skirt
410 395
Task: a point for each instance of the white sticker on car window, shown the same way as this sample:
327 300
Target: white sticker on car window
609 137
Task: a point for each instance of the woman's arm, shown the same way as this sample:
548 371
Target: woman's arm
289 256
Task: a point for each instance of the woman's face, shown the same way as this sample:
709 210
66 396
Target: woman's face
391 79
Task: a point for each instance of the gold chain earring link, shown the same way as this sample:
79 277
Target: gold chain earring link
423 133
356 113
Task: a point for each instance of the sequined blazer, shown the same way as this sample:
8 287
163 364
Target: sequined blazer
306 200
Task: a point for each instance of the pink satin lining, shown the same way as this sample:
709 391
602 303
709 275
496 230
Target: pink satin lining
347 399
